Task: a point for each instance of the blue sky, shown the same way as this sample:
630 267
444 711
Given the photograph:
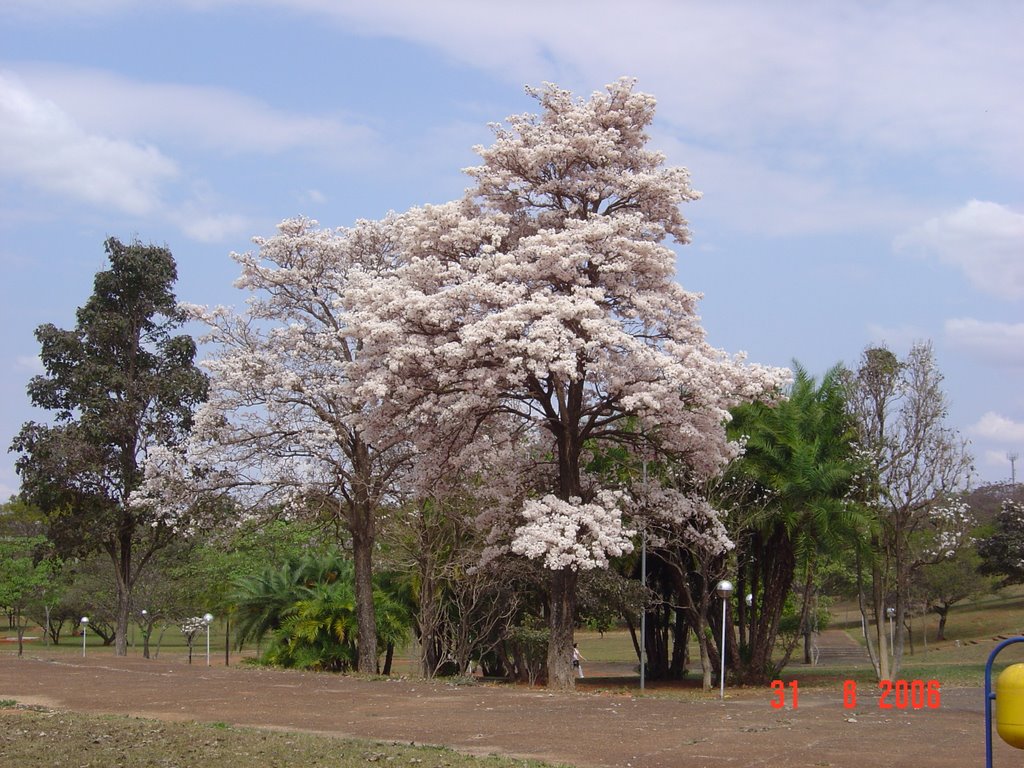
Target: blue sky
861 163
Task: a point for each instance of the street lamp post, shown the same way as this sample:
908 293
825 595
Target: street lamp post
85 625
891 612
724 589
643 608
643 612
145 633
207 618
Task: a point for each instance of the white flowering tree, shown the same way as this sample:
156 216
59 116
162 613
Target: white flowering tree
547 298
280 426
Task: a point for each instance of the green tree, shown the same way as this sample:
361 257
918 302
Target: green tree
117 385
307 606
25 572
950 581
798 467
1002 553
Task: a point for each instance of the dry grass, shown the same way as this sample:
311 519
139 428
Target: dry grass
31 736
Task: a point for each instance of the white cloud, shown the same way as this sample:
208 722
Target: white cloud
314 196
997 462
904 77
212 227
997 428
984 239
83 134
6 492
892 77
42 146
797 199
31 364
204 116
995 343
897 338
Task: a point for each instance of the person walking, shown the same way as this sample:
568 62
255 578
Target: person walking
577 658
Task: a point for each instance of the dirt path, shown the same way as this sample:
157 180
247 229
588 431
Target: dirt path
581 729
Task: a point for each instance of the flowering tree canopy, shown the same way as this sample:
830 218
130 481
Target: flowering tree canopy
547 297
280 421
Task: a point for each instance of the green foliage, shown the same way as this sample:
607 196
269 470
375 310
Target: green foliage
117 385
307 607
529 641
1002 553
798 470
119 381
24 570
800 452
951 581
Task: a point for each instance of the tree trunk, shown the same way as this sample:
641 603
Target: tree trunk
121 554
902 590
362 527
878 607
943 613
366 617
705 656
775 564
561 619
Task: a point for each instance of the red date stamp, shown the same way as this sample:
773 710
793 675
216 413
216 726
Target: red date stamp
893 694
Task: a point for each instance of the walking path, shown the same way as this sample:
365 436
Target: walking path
837 649
611 727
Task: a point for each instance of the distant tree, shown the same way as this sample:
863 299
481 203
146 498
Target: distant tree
950 581
1002 553
915 467
117 385
25 571
986 500
19 518
91 592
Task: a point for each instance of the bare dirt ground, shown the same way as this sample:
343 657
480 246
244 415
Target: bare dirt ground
603 724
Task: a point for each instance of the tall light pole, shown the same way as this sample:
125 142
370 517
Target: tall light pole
207 618
643 583
724 589
85 625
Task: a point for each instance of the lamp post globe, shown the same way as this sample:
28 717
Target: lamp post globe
207 619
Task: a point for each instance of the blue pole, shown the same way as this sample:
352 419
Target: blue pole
990 696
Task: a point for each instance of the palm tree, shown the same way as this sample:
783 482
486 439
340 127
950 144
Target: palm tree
800 463
319 630
307 605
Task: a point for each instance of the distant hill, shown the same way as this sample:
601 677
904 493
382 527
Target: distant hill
986 500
